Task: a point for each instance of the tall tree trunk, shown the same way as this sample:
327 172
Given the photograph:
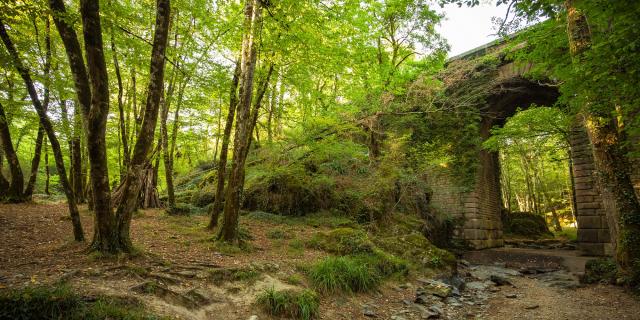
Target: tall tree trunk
229 229
14 194
216 209
164 139
93 98
47 173
132 182
4 183
121 120
48 127
35 161
610 156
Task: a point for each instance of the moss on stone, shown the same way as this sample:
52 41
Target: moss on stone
342 241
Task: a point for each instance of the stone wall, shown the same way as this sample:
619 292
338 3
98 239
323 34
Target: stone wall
479 209
593 231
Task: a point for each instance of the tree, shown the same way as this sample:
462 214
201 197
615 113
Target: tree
216 208
45 122
131 184
14 192
93 97
252 16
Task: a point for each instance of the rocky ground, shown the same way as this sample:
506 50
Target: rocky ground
517 283
182 276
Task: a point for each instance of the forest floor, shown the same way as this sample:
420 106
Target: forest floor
193 278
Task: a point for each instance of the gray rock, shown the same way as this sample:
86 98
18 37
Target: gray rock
511 295
435 308
485 272
253 317
499 280
368 311
421 299
533 306
476 285
436 288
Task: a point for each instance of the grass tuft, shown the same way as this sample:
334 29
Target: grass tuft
286 303
335 274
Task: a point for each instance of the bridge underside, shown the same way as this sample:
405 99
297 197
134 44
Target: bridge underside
479 209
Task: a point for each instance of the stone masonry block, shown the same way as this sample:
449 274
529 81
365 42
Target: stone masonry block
588 235
589 205
589 222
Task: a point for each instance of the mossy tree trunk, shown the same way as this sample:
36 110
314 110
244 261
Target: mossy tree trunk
16 184
612 164
216 208
252 20
131 185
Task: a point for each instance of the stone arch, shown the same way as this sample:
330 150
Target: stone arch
479 209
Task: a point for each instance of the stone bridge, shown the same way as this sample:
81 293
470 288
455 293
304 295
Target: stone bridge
479 209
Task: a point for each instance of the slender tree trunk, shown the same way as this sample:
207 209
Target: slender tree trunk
4 183
216 208
35 162
219 130
121 120
47 173
48 127
132 182
164 139
14 194
229 229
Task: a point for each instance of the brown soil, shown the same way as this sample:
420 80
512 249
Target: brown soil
599 302
36 247
537 300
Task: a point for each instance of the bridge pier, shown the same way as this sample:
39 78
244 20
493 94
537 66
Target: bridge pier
593 230
479 209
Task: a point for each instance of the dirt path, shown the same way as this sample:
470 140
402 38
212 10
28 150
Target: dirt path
36 247
550 295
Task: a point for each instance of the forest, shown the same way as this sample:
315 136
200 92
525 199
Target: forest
331 159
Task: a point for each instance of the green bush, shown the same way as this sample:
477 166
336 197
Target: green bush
180 209
334 274
525 224
415 248
203 197
286 303
343 241
600 270
62 302
290 193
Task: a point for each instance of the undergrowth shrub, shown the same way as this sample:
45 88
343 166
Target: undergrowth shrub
602 270
179 209
292 304
290 193
62 302
203 196
343 241
402 238
525 224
